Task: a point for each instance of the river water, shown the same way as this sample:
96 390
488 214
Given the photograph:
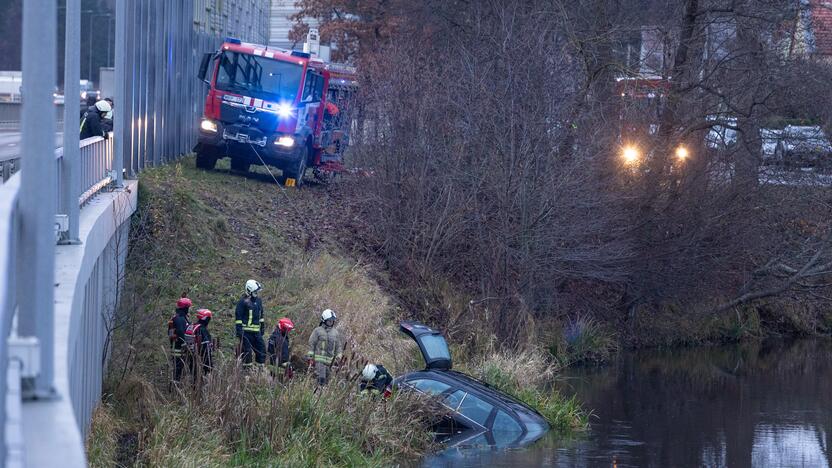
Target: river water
766 404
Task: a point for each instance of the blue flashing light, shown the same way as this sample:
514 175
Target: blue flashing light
233 40
285 110
297 53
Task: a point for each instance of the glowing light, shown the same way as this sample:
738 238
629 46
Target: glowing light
284 110
630 154
285 141
682 153
209 126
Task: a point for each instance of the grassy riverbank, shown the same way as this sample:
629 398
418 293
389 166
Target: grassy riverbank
205 233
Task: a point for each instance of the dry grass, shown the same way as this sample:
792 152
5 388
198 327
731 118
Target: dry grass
102 442
243 420
206 233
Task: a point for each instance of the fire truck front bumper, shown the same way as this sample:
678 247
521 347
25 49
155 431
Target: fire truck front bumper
248 144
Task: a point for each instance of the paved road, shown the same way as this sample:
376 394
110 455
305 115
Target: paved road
10 144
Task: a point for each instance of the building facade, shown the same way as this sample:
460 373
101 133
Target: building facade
233 18
280 23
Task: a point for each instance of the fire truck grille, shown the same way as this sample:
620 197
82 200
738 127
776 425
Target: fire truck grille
262 120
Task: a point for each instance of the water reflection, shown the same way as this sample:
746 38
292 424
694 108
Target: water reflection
759 404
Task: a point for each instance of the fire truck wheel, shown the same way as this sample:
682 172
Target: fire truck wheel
238 165
205 161
299 170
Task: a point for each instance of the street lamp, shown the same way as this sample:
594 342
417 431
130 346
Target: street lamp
630 154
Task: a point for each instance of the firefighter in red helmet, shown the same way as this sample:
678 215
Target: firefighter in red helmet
279 347
331 112
200 343
177 326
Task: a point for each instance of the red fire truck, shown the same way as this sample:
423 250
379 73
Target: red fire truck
287 109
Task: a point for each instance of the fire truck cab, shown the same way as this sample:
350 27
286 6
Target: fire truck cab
287 109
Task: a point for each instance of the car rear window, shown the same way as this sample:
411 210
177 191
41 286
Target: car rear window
436 347
434 387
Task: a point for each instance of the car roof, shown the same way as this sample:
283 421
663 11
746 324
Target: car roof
473 385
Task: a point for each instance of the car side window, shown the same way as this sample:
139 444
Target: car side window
475 409
505 423
433 387
454 399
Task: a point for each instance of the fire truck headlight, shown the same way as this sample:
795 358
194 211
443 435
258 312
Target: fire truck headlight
284 110
285 141
630 154
209 126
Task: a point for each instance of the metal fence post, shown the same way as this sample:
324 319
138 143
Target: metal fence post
37 191
129 163
158 75
119 125
71 162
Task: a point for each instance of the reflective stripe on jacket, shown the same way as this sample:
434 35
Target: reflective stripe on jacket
325 344
249 315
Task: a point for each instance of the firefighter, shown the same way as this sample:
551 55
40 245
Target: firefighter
250 324
177 326
375 380
200 343
91 125
331 112
278 347
325 347
107 118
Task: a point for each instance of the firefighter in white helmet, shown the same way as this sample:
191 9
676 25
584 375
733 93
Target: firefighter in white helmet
326 346
375 380
250 324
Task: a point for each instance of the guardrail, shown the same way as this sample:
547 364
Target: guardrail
10 410
96 159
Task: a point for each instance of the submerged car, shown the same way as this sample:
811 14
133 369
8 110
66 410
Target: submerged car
480 415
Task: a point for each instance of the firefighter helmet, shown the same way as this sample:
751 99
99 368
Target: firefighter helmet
285 325
369 372
252 287
331 109
103 106
202 314
183 303
327 315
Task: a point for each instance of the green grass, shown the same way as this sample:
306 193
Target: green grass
583 340
528 384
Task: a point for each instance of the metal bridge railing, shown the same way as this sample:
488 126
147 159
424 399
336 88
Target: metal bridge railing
95 161
10 408
96 166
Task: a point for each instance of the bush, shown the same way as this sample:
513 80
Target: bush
525 375
585 339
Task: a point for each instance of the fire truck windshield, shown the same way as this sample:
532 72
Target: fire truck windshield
259 77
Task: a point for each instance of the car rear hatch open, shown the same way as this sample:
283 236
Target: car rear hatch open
431 342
